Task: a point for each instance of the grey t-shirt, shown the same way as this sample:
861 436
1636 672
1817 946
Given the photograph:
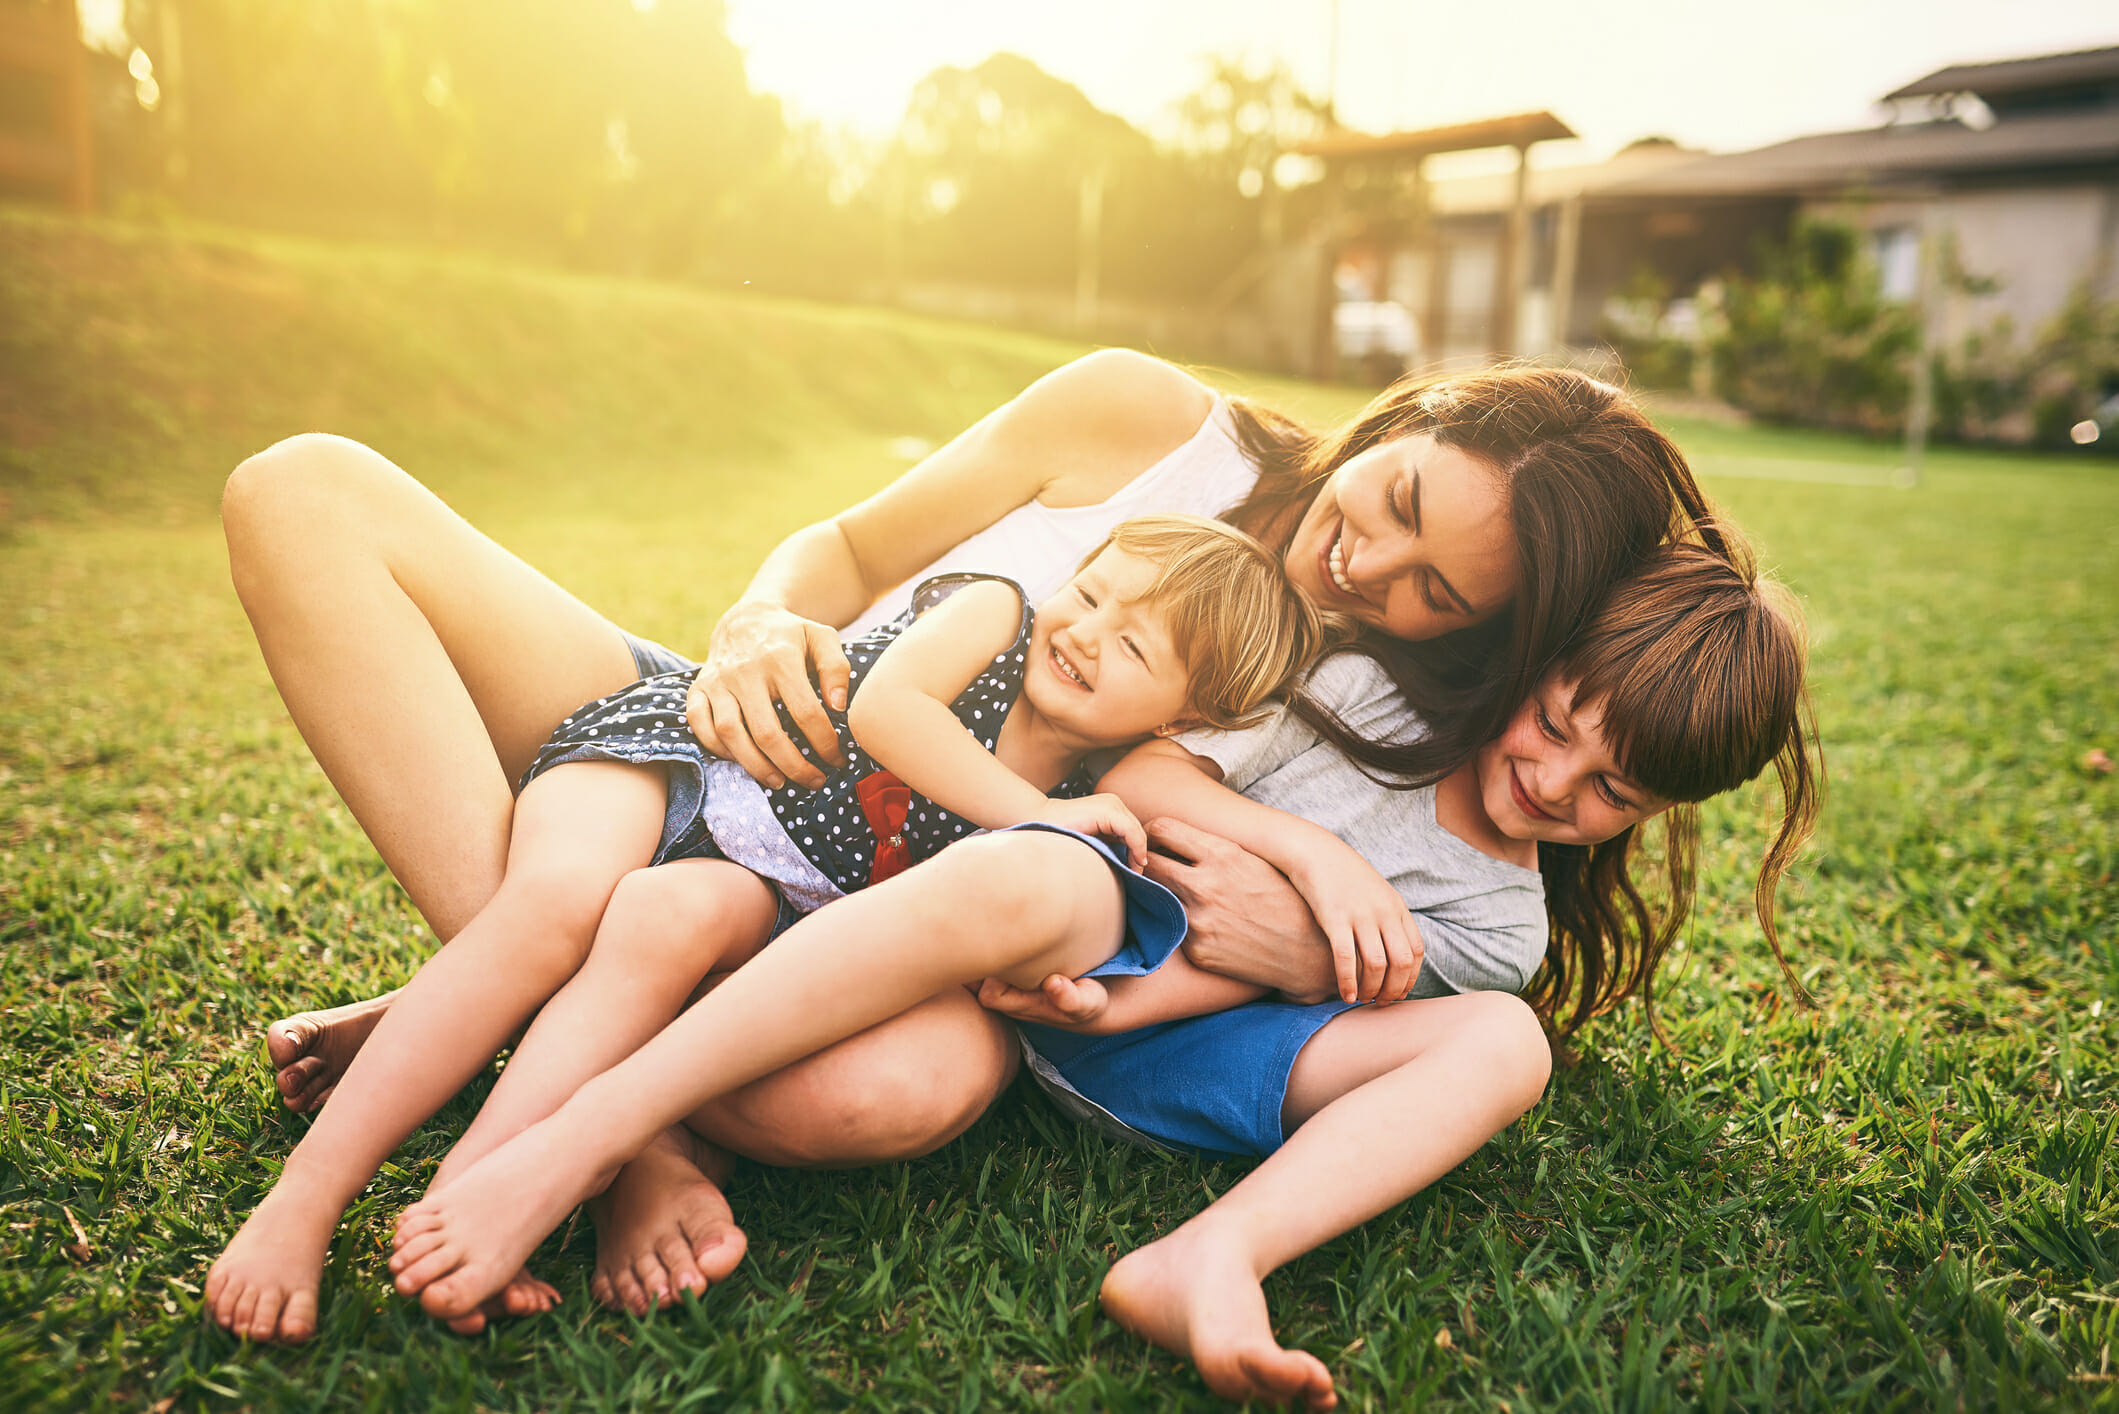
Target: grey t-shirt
1482 919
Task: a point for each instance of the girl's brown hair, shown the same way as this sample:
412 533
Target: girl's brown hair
1592 489
1695 666
1243 629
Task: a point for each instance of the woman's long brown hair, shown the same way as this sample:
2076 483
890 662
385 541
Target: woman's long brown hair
1592 488
1626 583
1695 667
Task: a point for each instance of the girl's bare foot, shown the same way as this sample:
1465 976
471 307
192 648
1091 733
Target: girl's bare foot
312 1050
1200 1297
264 1285
663 1226
460 1246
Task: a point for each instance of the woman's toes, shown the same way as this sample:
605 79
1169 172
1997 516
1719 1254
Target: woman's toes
600 1290
449 1298
629 1293
683 1271
653 1277
469 1325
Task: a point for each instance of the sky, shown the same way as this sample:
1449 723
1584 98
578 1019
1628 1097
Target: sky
1710 73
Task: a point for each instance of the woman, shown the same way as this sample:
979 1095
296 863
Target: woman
1478 517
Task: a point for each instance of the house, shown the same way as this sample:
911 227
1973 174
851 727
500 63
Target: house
2012 168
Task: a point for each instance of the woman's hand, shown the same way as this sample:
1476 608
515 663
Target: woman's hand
761 654
1376 948
1105 815
1246 920
1066 1003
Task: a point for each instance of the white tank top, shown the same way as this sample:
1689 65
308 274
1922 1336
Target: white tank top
1038 546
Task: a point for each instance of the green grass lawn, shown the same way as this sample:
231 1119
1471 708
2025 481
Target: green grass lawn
1898 1200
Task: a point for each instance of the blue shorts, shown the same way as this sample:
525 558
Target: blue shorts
1209 1083
651 658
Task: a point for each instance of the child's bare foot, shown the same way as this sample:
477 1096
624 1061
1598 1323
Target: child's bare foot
663 1226
312 1050
1198 1297
264 1285
466 1243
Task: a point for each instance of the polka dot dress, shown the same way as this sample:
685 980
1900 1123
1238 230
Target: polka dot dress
833 826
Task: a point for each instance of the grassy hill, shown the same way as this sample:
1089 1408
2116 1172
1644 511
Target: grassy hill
1900 1200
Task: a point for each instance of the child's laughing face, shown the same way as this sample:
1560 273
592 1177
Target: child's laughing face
1101 663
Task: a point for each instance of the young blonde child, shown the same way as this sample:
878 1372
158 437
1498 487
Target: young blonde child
1698 695
970 712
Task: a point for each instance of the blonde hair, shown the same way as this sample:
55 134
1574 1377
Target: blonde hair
1242 627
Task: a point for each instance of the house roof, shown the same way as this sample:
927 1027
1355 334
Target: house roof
2007 77
1515 130
1900 154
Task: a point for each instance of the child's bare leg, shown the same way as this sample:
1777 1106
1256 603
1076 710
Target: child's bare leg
662 931
1003 905
1388 1099
577 831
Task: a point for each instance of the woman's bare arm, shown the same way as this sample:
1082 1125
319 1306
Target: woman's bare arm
1072 438
1243 918
1374 941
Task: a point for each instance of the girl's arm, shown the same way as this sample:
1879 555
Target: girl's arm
1375 944
1072 438
1096 1006
903 718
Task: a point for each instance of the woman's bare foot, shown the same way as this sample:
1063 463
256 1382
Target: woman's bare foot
524 1295
663 1226
312 1050
459 1247
263 1286
1200 1297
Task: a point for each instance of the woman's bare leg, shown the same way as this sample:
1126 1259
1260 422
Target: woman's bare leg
1388 1099
1016 906
423 664
578 831
896 1091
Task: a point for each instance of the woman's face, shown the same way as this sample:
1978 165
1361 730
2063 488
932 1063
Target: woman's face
1411 537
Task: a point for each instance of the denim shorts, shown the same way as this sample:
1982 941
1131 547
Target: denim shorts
1214 1084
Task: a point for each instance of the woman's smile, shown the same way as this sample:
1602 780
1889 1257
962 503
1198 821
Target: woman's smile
1335 563
1411 537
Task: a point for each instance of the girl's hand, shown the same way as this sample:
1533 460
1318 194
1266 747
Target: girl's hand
1105 815
1067 1003
1376 948
761 654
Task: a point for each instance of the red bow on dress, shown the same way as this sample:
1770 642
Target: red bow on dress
884 802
